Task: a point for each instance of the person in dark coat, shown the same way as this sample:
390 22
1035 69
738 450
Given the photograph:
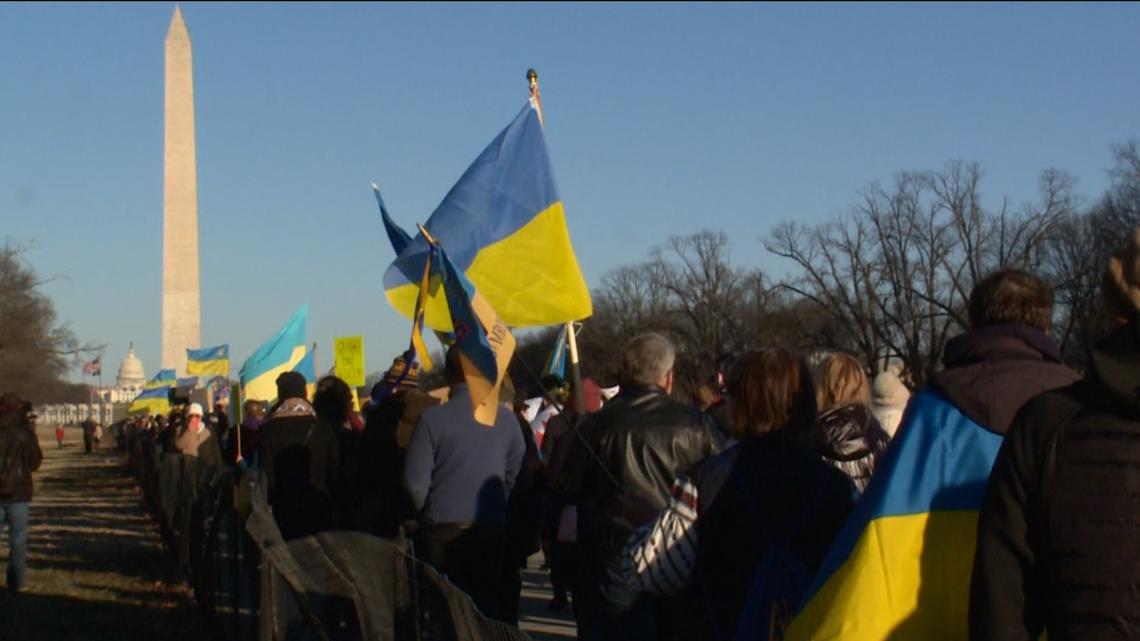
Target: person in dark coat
770 487
560 519
851 438
619 474
20 455
300 455
1058 535
88 435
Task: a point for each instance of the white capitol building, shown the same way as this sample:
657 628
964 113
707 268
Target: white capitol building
128 384
130 381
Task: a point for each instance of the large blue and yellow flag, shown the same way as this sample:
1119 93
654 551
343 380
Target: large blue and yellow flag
484 342
900 567
279 354
208 361
503 226
152 400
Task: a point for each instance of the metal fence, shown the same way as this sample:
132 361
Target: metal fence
253 586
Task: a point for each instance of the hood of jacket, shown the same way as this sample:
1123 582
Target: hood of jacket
1115 369
991 372
848 432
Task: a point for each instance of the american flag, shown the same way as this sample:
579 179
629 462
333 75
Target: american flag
94 368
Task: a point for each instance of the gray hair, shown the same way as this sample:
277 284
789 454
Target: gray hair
646 359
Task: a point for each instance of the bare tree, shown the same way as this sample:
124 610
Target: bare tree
895 272
35 351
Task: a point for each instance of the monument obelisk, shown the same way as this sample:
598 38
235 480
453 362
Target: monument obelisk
181 308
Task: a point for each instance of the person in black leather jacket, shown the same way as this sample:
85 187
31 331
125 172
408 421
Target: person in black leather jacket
619 474
851 437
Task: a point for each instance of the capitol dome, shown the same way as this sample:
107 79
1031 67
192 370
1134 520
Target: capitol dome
131 375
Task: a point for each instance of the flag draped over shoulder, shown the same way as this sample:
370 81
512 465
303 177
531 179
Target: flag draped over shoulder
484 342
208 361
279 354
900 567
504 227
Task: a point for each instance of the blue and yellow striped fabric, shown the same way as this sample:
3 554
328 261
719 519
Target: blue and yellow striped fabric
208 361
503 225
900 567
485 344
279 354
152 400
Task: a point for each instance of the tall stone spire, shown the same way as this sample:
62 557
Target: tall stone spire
181 308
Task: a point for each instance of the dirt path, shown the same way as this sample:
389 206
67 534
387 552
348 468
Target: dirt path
97 567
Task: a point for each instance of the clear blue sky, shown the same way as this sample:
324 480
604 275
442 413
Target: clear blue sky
662 119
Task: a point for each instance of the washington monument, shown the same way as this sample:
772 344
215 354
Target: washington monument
181 309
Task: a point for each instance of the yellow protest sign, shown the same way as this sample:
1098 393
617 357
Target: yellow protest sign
350 359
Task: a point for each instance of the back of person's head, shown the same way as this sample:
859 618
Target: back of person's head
770 390
1011 297
9 403
646 360
253 408
453 366
291 385
841 381
1121 283
591 395
332 400
706 395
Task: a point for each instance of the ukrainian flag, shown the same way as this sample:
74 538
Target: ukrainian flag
152 400
503 225
208 361
556 361
484 342
279 354
164 378
900 568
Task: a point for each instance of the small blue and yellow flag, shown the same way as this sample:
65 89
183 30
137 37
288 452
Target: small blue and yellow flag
900 567
556 361
279 354
504 227
152 400
484 342
208 361
164 378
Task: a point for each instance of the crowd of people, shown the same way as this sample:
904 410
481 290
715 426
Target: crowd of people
667 519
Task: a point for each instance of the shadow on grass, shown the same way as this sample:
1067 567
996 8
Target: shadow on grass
33 617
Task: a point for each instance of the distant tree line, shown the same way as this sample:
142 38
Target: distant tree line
886 280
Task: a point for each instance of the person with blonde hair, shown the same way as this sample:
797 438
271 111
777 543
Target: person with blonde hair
851 438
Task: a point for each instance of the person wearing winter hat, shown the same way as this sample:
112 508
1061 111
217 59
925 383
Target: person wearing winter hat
1058 535
398 402
888 400
300 455
196 439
